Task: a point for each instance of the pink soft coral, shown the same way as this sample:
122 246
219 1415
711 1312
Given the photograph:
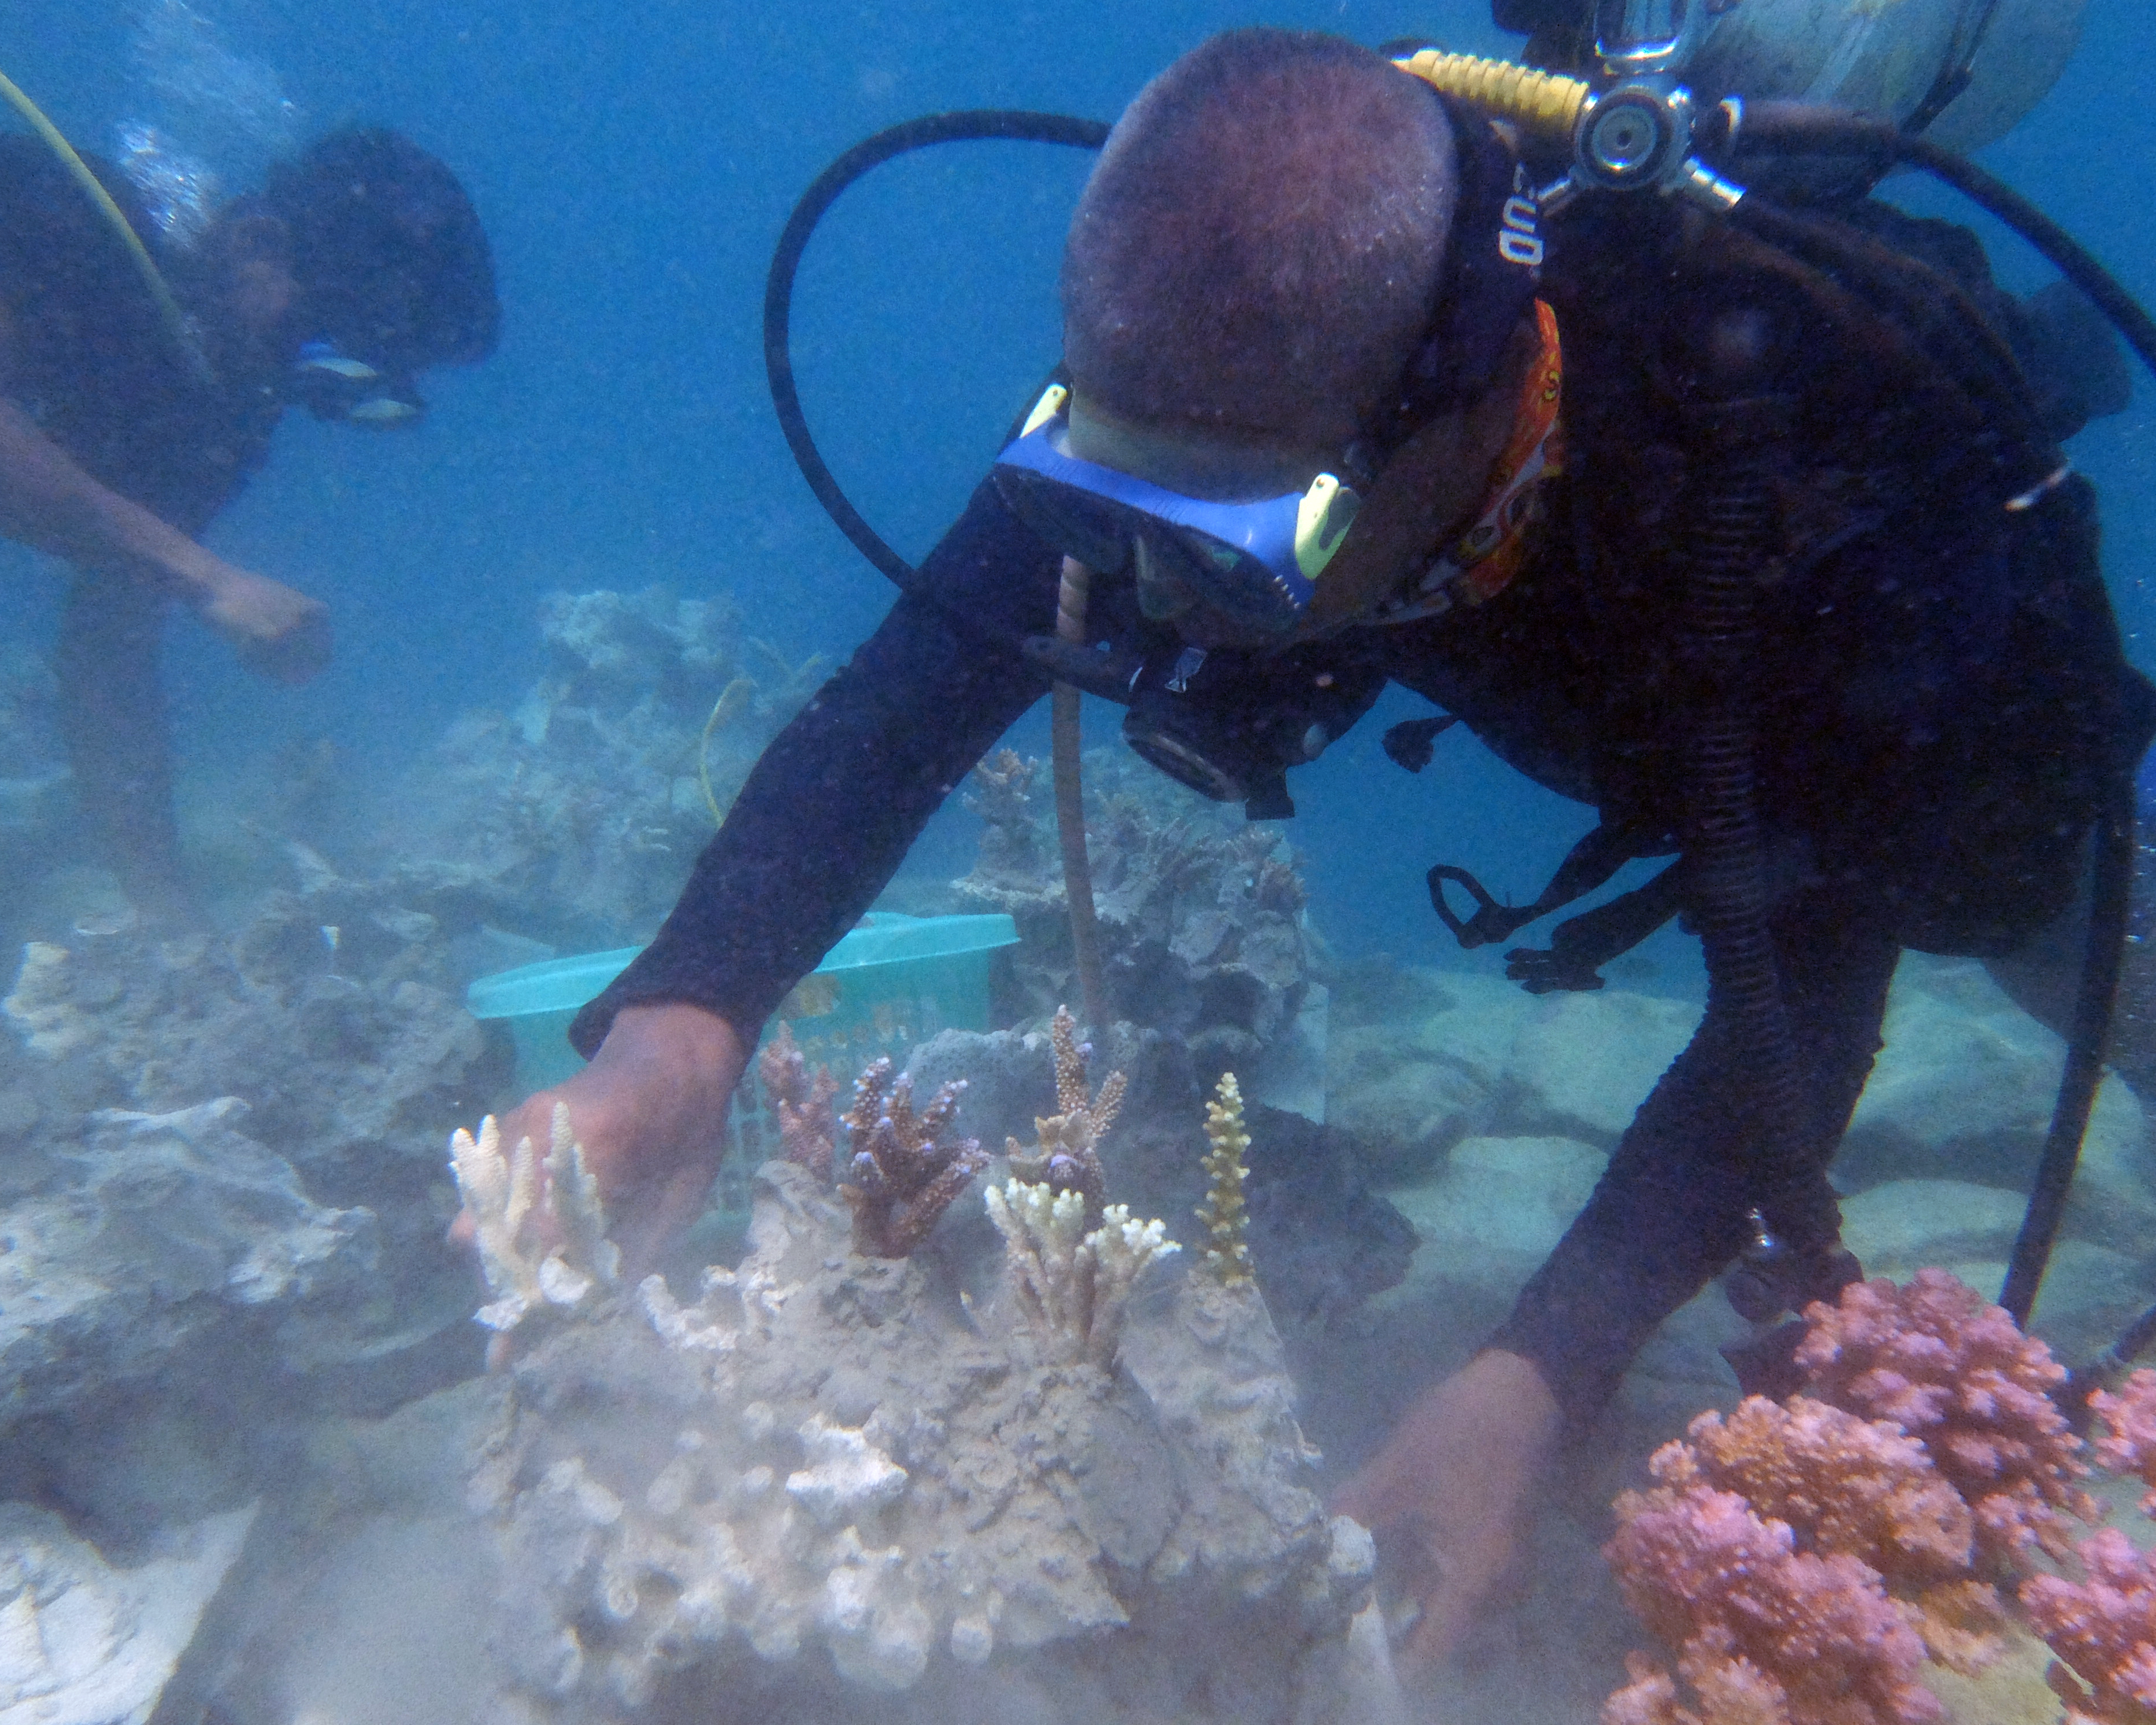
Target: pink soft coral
1763 1631
1955 1374
1847 1486
2104 1628
2127 1444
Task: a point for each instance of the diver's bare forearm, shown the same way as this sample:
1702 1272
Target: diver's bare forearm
49 502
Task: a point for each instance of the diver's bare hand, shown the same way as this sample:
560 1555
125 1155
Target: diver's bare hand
1451 1490
278 633
650 1111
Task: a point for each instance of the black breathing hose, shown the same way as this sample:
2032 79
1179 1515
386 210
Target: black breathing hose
2110 897
960 126
1728 890
1782 128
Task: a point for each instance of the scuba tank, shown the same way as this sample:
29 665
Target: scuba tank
1886 62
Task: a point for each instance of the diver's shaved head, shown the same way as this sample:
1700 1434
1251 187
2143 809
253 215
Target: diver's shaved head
1261 241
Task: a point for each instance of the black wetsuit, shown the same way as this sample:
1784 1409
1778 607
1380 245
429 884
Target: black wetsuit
93 365
1938 678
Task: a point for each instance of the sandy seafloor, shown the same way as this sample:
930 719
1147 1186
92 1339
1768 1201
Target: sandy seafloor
253 1464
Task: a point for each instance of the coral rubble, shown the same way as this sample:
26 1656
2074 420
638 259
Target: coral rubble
1072 1284
1228 1253
1066 1153
834 1474
903 1171
537 1220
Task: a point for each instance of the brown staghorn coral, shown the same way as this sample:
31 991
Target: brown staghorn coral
1765 1634
904 1173
1853 1488
808 1127
1223 1212
1065 1157
1955 1373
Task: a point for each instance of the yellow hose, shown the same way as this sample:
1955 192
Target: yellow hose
1548 103
176 320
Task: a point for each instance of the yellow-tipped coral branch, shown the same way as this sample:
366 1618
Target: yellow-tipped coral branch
1223 1212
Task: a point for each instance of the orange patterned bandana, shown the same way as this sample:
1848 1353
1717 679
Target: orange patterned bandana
1483 561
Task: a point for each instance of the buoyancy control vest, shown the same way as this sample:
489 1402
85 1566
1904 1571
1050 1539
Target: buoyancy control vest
1939 684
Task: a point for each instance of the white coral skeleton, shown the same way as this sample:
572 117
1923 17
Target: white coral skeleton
1072 1286
542 1244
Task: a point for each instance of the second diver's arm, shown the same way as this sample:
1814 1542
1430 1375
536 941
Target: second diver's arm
49 501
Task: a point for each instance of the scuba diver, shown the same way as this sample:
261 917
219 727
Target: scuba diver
132 410
1745 523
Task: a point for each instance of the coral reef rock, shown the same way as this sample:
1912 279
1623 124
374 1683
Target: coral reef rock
1200 913
163 1233
307 1069
585 806
840 1488
85 1642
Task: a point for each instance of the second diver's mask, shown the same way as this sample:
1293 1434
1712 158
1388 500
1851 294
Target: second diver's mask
1256 557
330 384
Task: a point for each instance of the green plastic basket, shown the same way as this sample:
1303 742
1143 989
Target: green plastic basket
892 981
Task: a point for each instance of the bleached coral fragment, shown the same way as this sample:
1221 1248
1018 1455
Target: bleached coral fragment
41 1005
687 1328
847 1478
1072 1286
878 1630
541 1243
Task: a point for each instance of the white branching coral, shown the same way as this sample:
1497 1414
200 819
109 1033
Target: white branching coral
541 1228
1071 1285
847 1476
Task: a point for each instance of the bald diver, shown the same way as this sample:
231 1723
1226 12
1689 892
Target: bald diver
1752 534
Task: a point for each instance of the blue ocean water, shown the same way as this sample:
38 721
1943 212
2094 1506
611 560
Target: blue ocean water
633 167
635 171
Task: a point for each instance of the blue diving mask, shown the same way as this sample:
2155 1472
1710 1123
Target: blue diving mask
1255 561
330 384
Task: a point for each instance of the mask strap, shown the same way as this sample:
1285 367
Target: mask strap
1494 256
